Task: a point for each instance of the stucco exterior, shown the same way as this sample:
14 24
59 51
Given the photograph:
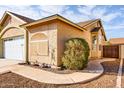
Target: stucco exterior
50 30
97 53
10 29
44 39
65 32
57 32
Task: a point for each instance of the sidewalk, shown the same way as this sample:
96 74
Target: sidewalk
93 71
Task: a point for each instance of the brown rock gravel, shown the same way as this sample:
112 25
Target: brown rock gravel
107 80
122 82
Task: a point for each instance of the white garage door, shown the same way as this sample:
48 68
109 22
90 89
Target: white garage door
14 48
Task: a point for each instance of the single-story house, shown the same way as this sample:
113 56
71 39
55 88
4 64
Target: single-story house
22 38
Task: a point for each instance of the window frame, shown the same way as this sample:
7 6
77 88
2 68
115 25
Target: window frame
94 44
40 41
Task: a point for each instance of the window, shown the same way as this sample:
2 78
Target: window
94 43
38 36
39 45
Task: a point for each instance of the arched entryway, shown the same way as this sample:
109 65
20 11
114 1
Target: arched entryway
13 43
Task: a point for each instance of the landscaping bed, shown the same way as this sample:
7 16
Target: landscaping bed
56 70
107 80
12 80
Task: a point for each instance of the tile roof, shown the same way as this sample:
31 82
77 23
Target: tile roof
82 24
53 17
26 19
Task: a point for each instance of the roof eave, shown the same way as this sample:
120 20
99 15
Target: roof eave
8 13
58 17
3 17
95 20
15 17
103 30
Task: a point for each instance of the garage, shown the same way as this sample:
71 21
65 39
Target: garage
14 48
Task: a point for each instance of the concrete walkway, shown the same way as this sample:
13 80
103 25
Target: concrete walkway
93 71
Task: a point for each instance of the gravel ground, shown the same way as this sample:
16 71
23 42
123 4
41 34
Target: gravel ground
122 76
107 80
58 70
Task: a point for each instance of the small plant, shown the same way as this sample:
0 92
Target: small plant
36 63
76 54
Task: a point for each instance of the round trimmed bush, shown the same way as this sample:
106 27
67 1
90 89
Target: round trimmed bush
76 54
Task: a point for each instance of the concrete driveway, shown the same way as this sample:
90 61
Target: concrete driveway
8 62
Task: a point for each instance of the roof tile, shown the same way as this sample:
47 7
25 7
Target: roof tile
26 19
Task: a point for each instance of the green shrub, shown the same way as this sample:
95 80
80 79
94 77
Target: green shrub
76 54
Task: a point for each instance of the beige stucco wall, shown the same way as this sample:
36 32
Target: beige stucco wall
98 52
65 32
101 41
11 20
50 30
10 29
12 32
56 31
93 54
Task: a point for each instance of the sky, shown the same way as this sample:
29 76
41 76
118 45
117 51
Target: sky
111 15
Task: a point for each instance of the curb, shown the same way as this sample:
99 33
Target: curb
118 81
4 72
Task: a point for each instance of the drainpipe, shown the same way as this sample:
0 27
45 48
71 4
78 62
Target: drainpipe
26 45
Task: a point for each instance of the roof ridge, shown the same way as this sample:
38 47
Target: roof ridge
55 16
88 22
24 18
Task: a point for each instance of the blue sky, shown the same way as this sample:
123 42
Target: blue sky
112 16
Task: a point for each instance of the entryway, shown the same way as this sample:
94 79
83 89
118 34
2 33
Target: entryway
14 48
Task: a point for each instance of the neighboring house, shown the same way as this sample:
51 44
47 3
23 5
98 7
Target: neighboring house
116 41
43 40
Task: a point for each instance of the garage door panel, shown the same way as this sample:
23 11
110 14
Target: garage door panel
14 49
